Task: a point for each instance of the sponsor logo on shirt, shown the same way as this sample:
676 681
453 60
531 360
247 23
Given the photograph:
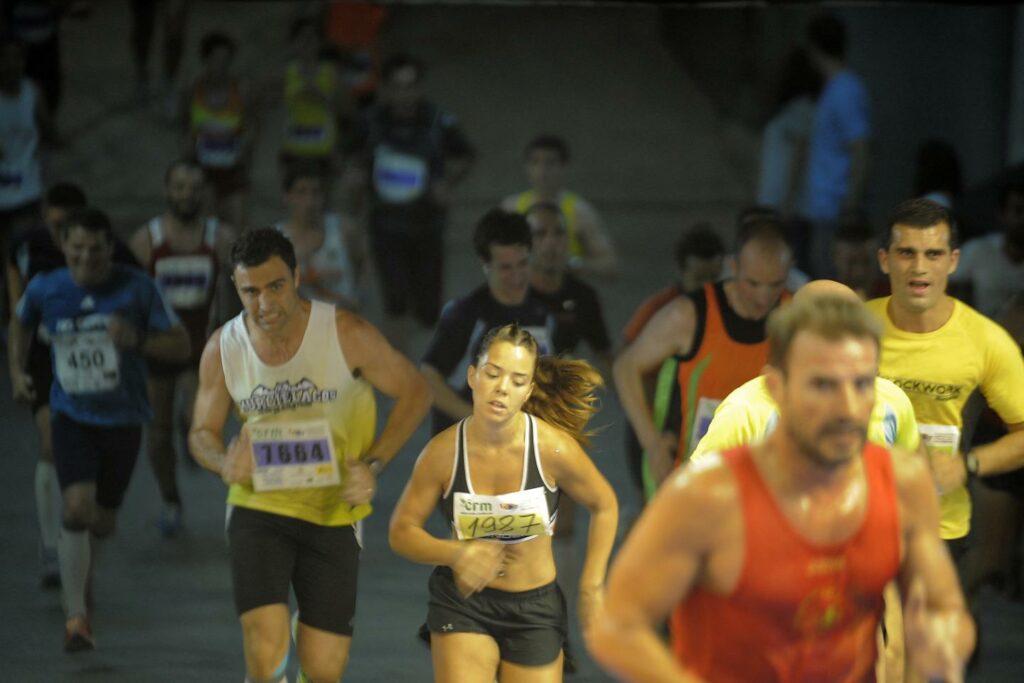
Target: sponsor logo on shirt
286 396
934 390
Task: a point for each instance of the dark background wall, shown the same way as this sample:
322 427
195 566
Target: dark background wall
933 71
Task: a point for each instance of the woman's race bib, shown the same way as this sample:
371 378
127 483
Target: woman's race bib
509 516
292 455
399 178
86 362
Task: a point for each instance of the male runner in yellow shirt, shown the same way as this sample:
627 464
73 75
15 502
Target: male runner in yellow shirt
939 350
749 413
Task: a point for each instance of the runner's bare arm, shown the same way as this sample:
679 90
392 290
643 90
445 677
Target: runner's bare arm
474 563
940 634
575 473
1004 454
171 345
669 332
19 338
15 287
446 399
406 533
599 257
141 246
211 408
659 564
369 354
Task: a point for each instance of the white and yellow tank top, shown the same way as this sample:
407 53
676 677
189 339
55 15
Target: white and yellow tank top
294 406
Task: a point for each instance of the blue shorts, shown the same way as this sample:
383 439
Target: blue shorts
89 453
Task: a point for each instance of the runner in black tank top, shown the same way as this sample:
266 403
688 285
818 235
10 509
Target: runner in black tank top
497 476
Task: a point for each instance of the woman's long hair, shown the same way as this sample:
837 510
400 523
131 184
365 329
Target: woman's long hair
564 392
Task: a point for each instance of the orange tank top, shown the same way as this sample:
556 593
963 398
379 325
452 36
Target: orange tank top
647 310
719 364
800 612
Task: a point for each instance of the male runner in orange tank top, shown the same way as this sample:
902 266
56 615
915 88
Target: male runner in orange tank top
718 336
774 555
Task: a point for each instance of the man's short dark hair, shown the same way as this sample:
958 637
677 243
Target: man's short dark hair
551 143
700 241
182 162
88 218
922 213
66 196
257 246
826 33
399 61
214 40
503 228
1007 190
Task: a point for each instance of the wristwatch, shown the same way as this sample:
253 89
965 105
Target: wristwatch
971 465
375 466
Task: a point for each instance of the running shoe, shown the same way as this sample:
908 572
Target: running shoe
169 521
78 635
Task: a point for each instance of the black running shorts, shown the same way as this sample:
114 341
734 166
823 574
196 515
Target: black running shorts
91 453
530 627
271 552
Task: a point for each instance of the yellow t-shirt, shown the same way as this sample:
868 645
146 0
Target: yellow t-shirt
749 414
939 370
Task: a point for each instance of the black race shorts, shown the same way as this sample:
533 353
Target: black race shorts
271 552
92 453
530 627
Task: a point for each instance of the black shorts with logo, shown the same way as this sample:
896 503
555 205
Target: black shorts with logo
271 552
531 627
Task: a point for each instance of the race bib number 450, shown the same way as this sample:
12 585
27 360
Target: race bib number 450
292 455
503 517
86 362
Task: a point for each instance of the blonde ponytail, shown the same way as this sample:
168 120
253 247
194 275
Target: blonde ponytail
564 395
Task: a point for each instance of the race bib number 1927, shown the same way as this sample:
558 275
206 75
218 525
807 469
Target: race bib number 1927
502 517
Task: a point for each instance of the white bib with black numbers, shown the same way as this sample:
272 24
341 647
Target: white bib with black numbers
86 362
292 455
503 517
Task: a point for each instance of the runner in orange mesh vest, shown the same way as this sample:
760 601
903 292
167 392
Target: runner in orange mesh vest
717 335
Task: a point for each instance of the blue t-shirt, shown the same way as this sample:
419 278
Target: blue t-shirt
94 382
842 117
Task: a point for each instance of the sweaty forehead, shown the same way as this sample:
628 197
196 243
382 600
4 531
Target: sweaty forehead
260 275
845 355
508 356
765 263
910 235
